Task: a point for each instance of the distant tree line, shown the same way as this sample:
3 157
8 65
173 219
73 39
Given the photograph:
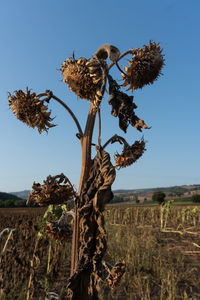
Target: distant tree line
159 197
117 199
9 200
12 203
196 198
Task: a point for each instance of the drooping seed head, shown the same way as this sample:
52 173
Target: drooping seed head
116 274
29 109
55 190
59 232
108 51
129 154
145 66
84 77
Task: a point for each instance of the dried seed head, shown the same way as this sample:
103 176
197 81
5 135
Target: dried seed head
29 109
145 66
84 77
59 232
55 190
129 154
116 274
106 51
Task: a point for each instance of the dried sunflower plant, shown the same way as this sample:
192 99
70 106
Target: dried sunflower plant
89 79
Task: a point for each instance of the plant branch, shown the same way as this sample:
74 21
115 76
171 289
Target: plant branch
50 95
130 51
42 95
99 122
105 73
120 68
8 238
115 138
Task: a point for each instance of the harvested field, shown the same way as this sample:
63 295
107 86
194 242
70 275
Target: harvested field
30 263
161 247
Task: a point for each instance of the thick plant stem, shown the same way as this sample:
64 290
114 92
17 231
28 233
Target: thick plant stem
86 142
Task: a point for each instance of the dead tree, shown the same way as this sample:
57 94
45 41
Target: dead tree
89 79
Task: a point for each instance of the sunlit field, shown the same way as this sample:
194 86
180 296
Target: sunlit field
160 245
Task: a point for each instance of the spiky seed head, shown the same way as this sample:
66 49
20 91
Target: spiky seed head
59 232
84 77
55 190
29 109
129 154
145 66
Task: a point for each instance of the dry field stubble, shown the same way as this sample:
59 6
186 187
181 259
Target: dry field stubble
28 262
161 247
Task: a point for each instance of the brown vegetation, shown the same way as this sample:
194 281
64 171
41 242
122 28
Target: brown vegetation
88 79
161 247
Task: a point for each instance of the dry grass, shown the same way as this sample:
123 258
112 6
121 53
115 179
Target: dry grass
161 248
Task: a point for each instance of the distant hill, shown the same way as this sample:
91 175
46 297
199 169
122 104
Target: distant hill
171 189
7 196
172 192
22 194
10 200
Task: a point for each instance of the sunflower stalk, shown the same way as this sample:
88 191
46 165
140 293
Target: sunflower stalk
88 79
86 141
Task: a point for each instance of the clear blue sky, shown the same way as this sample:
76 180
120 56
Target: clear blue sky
37 36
